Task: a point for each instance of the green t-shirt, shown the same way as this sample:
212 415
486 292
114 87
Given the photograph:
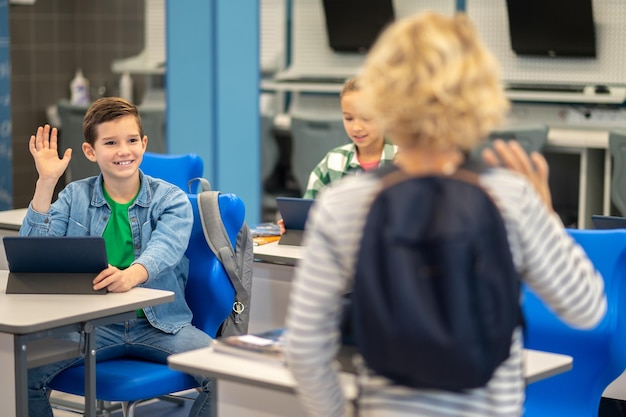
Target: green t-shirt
118 237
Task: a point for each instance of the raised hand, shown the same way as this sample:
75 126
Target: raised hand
44 148
534 167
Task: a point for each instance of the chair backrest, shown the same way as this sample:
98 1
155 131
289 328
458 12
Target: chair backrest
175 169
209 292
599 354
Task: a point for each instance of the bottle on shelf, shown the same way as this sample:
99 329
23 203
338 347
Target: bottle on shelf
79 89
126 86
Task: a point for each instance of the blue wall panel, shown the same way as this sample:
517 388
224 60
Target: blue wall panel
237 108
6 178
212 86
189 79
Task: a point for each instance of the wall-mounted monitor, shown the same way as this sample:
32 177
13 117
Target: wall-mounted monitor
354 25
553 28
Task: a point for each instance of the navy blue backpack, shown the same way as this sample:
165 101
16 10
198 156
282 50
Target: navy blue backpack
436 294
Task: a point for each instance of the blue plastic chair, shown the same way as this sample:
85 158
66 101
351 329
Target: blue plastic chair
209 294
599 354
176 169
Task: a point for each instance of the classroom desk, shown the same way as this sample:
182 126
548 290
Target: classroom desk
278 254
29 323
12 219
247 387
10 223
271 285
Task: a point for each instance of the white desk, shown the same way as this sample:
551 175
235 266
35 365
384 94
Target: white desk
246 387
271 285
10 223
12 219
28 321
278 254
540 365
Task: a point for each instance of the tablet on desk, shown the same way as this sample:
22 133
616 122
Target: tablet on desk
294 212
608 222
54 264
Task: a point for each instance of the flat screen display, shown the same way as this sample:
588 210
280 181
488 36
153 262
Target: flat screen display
354 25
554 28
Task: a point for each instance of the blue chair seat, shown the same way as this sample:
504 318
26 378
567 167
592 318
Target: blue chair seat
125 380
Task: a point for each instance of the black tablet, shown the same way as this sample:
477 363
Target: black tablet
294 212
54 264
608 222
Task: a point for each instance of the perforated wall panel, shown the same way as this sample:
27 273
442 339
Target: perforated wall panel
608 67
311 55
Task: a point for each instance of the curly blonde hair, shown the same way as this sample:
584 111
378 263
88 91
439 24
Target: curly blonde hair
429 81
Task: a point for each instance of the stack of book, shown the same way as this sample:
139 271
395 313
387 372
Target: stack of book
265 233
266 345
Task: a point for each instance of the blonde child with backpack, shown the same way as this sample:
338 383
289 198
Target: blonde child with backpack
435 90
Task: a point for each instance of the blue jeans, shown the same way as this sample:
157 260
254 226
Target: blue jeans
131 338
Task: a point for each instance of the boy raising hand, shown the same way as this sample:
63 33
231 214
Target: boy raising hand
145 223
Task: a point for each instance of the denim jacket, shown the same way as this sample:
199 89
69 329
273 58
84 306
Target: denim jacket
161 219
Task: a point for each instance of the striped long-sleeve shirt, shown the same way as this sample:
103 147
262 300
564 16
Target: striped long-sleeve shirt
551 263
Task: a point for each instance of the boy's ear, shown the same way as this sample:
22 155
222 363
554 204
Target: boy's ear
144 141
89 152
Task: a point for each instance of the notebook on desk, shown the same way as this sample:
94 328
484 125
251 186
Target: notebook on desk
54 264
294 212
608 222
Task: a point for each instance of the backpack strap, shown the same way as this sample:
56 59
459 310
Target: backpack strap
219 242
390 175
469 171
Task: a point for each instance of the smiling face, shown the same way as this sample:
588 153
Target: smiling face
117 149
360 128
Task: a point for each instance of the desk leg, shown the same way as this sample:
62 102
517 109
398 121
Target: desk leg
90 371
608 170
21 377
13 390
590 197
215 399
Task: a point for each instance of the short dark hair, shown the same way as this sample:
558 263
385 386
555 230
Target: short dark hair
106 109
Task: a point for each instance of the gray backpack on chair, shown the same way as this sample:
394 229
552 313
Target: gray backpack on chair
237 261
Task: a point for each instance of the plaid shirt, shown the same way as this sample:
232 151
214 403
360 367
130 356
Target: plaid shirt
338 163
